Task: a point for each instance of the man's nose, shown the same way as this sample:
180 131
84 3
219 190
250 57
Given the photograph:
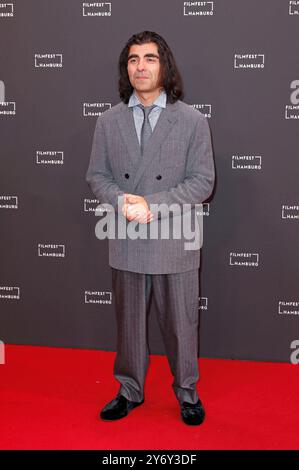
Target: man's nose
140 65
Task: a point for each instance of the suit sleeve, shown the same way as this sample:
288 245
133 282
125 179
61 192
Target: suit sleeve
99 174
200 175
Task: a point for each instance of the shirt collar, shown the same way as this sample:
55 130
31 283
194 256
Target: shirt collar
159 101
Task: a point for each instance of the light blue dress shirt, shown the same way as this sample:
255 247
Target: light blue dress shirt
153 117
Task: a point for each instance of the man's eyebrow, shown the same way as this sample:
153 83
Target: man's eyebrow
149 54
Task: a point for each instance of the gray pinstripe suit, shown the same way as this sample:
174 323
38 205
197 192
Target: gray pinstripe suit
176 167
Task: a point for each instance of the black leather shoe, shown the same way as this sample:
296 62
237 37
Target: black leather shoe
118 408
192 414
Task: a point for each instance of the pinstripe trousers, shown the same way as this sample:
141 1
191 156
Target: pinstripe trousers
176 297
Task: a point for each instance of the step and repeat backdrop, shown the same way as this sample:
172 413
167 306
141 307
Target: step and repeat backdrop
58 72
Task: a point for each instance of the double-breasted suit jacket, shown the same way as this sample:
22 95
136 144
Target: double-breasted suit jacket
176 167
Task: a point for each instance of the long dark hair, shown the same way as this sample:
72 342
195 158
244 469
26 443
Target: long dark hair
171 79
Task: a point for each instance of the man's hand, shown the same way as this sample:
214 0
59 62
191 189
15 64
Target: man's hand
135 208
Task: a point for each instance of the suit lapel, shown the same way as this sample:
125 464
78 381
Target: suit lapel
167 118
128 132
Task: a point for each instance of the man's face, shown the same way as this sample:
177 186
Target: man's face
144 67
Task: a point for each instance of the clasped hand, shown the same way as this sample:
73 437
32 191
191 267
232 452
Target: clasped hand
136 208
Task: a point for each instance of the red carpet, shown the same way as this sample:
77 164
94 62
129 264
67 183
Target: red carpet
50 398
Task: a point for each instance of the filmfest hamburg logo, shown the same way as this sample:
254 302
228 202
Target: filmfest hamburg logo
205 109
8 202
90 205
10 292
51 60
203 303
96 9
96 297
246 162
49 157
6 10
288 307
290 211
244 259
249 61
204 209
95 109
292 110
198 8
51 250
6 107
293 7
93 205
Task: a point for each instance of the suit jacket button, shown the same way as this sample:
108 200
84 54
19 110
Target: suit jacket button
127 175
158 177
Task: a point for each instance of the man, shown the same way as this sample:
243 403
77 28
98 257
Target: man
151 152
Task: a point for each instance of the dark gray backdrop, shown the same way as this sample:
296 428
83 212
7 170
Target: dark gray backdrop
47 209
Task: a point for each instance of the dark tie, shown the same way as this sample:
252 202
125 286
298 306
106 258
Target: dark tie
146 130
